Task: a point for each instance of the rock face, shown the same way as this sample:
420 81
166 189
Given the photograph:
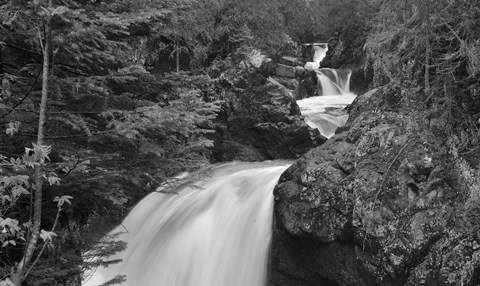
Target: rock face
266 124
262 119
385 202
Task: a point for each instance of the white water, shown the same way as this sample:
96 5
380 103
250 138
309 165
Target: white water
215 233
333 82
330 81
319 53
325 112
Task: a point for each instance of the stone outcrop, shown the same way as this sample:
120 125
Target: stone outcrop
262 119
265 123
387 201
285 71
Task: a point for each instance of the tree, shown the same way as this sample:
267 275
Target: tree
429 52
68 46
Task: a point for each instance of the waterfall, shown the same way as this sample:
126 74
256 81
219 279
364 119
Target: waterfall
325 112
213 232
216 228
333 82
319 53
330 81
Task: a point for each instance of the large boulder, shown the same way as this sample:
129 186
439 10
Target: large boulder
385 202
266 118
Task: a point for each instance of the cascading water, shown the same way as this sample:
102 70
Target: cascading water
215 232
333 82
325 112
330 81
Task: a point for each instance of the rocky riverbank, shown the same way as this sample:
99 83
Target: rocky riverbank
261 119
387 201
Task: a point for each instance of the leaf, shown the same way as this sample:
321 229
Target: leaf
60 10
53 180
47 236
11 224
44 12
63 199
41 152
7 282
19 190
6 198
12 128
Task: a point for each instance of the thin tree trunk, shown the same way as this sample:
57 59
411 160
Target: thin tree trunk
19 276
1 62
177 56
428 52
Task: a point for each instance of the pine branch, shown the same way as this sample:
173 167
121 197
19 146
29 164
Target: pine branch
24 97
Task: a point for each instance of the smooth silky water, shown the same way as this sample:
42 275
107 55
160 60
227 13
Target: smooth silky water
216 231
213 232
325 112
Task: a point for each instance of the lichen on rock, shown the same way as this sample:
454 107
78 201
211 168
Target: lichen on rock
402 204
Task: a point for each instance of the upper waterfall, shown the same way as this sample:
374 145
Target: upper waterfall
333 82
325 112
330 81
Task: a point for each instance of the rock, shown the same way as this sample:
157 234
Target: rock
384 202
290 83
233 151
299 71
256 58
307 86
265 116
267 68
290 61
285 71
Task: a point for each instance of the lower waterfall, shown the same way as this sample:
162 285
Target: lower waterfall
215 231
216 228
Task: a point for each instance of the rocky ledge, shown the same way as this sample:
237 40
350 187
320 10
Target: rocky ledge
386 201
261 119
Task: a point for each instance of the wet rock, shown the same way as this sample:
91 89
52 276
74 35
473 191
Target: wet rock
299 71
307 86
285 71
233 151
289 83
290 61
267 118
267 68
400 202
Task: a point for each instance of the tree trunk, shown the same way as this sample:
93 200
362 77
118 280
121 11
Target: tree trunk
428 49
19 276
1 63
428 52
177 57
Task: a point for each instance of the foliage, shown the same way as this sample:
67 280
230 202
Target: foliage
116 128
430 51
17 182
93 63
171 130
